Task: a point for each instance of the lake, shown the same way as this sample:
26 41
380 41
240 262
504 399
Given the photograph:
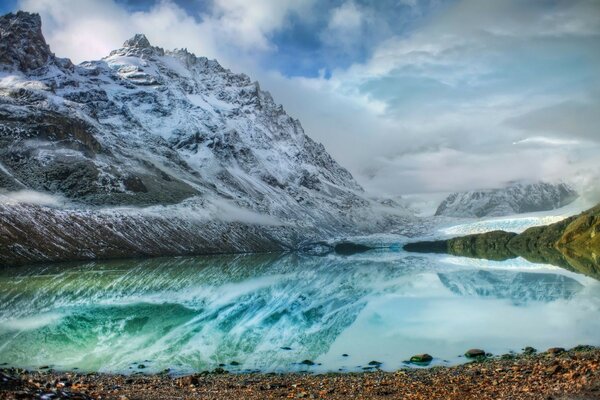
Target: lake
269 312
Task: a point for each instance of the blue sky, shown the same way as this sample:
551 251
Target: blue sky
409 95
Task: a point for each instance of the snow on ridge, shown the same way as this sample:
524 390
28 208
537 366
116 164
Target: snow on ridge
517 198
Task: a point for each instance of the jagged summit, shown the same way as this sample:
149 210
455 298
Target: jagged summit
22 43
138 46
138 41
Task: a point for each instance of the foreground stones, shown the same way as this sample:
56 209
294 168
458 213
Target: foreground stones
573 374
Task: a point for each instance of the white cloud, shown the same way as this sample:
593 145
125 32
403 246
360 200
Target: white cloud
346 17
249 23
88 29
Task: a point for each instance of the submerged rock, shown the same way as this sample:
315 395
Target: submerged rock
474 353
421 359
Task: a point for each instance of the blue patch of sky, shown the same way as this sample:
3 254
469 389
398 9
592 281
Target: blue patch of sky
7 6
301 50
194 8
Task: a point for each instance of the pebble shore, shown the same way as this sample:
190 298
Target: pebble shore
555 374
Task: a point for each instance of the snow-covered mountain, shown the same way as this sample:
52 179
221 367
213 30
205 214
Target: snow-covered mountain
514 199
168 131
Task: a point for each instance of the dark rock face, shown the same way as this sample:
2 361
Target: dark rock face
137 41
21 41
51 152
573 244
515 199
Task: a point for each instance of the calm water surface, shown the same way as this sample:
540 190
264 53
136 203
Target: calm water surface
270 312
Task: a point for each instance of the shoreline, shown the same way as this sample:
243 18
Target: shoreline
554 374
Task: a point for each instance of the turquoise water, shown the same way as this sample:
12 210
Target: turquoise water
270 312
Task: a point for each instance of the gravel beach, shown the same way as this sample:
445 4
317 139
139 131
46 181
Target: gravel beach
554 374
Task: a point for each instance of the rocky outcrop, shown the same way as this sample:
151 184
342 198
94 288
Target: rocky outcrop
514 199
22 44
573 243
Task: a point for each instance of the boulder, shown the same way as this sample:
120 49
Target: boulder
475 353
421 358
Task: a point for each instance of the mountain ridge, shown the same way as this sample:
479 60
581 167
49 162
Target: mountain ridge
517 198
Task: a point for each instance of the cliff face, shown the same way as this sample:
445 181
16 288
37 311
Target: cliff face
573 243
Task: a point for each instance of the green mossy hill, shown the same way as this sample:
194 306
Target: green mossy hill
573 244
490 245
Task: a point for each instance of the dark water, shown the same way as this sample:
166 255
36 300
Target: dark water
191 314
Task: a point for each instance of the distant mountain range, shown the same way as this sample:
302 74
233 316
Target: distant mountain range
515 199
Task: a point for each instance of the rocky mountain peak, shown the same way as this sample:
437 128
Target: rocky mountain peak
22 44
138 46
138 41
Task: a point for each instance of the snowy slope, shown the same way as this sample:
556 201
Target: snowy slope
166 131
514 199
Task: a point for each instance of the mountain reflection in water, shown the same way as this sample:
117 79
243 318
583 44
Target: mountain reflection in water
270 312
